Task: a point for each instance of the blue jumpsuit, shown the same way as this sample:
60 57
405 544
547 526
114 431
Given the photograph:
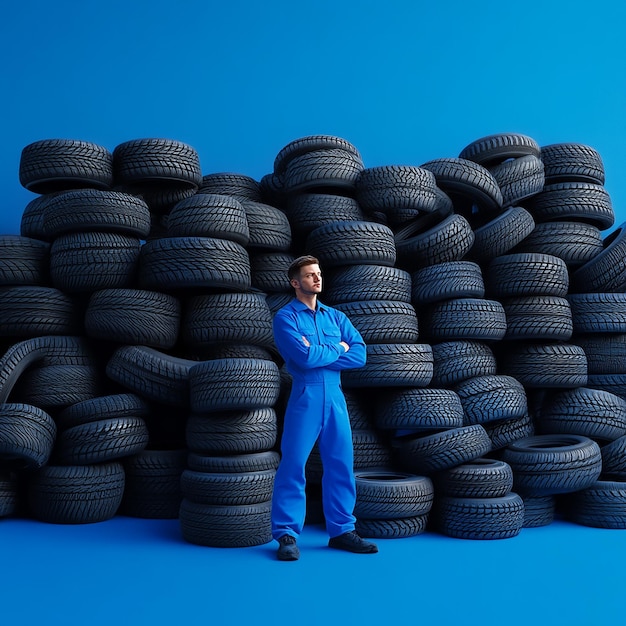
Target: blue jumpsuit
316 408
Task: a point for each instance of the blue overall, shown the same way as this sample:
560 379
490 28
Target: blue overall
316 409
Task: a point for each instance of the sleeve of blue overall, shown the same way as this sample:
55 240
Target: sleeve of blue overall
291 345
356 356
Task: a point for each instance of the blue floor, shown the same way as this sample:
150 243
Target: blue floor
130 571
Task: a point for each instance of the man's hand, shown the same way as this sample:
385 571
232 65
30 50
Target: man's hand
307 343
345 345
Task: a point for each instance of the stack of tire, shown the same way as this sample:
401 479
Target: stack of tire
461 324
537 276
141 292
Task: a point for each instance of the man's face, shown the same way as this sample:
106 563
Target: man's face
310 281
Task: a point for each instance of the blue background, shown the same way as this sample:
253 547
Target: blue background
405 82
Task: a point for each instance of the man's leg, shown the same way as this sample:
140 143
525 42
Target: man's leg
301 428
336 451
338 484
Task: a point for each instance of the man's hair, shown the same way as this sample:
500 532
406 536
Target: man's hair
301 261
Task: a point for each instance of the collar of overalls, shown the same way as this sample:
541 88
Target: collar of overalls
300 306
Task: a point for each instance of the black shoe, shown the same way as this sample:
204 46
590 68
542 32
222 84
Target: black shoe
288 550
352 543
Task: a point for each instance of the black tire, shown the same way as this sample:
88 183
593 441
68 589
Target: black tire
322 170
467 183
241 318
519 179
101 441
234 463
151 374
598 312
76 494
526 274
382 321
361 407
491 398
572 162
27 436
152 489
427 454
606 271
161 198
233 432
393 365
447 281
226 526
9 493
51 165
500 147
87 262
231 184
276 301
194 262
102 408
480 478
480 518
384 494
352 243
545 365
269 271
418 409
366 282
31 222
133 316
538 511
231 351
614 383
592 413
227 489
49 350
311 143
474 319
538 318
308 211
272 192
553 464
501 234
455 361
23 261
574 242
584 202
392 528
37 311
614 458
606 353
504 432
209 215
59 386
448 240
601 505
233 384
401 192
268 226
156 161
92 210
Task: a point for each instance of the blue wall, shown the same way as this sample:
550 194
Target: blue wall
239 79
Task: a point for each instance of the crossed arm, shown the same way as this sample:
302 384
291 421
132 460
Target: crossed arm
349 352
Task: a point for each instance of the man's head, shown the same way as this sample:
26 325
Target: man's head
305 275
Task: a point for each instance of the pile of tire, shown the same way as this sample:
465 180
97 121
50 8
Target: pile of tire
140 377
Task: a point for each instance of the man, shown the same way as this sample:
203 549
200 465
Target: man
316 342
